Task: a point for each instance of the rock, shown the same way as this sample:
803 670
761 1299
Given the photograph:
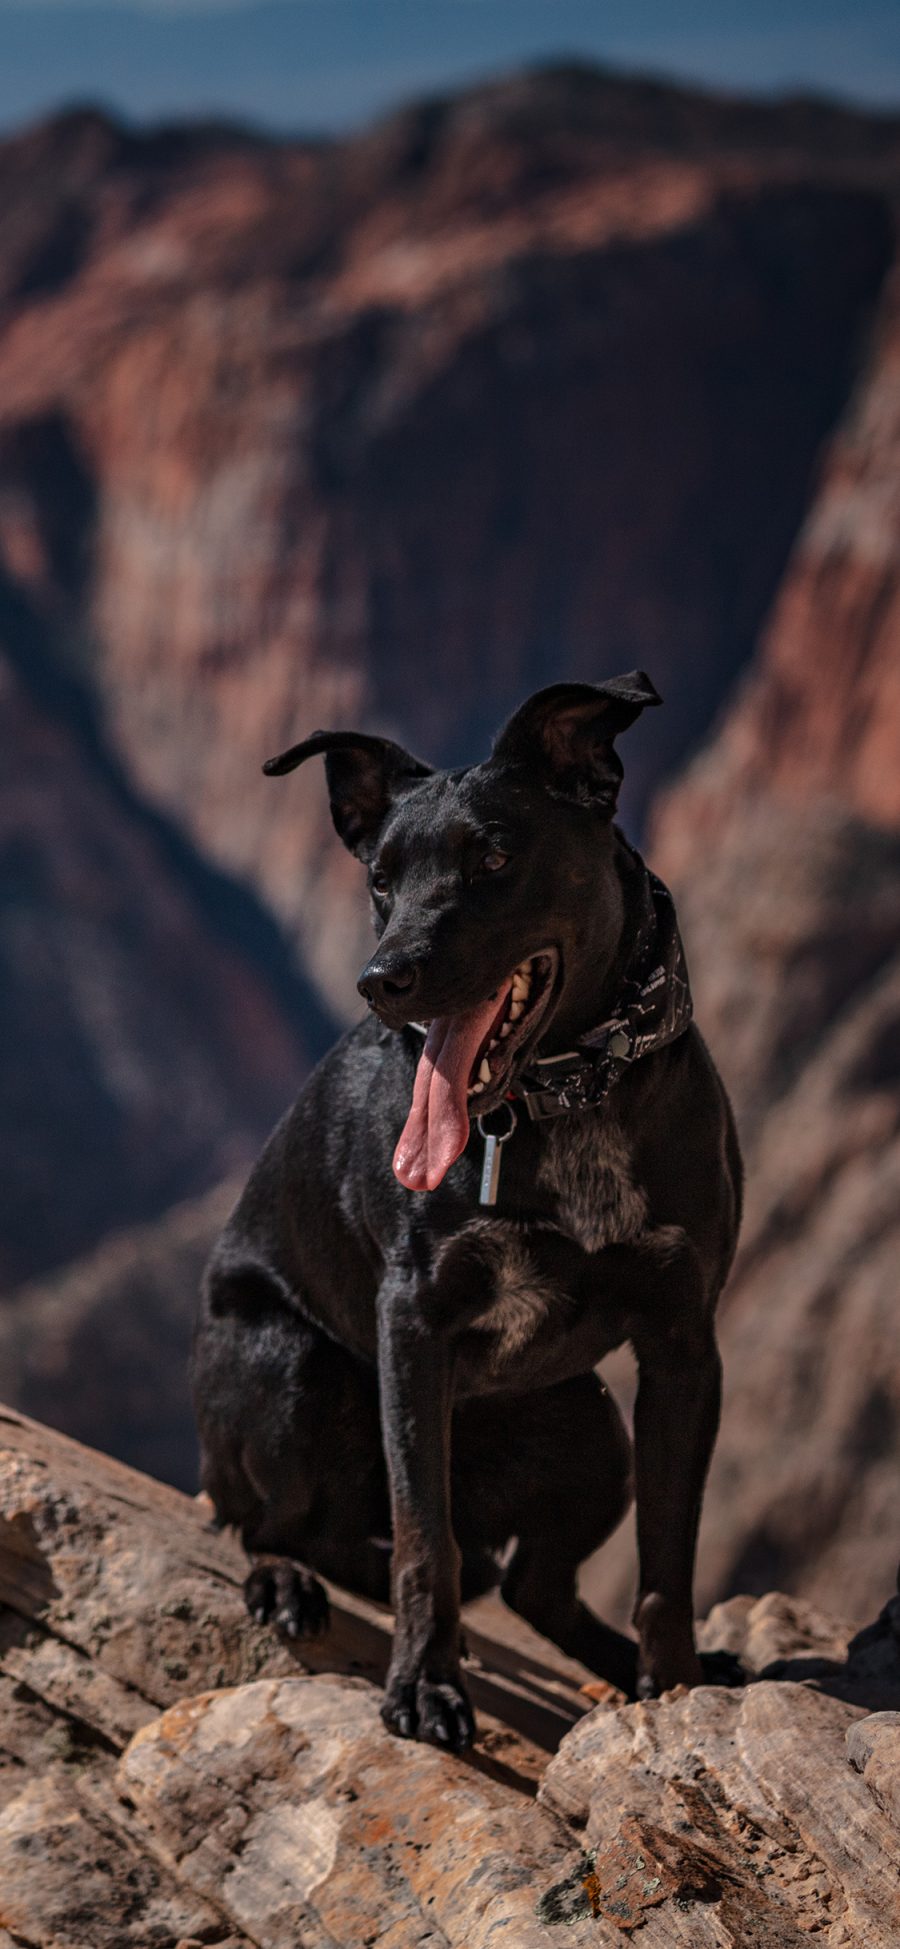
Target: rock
121 1320
151 1601
796 795
782 845
279 421
144 1046
763 1631
742 1821
802 1488
119 1610
172 1775
873 1748
778 1636
288 1805
819 715
72 1873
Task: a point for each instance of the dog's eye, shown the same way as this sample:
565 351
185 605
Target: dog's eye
494 861
379 885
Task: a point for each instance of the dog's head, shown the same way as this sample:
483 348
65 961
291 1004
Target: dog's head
496 898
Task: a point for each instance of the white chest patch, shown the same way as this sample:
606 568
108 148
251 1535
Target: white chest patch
518 1297
523 1299
586 1162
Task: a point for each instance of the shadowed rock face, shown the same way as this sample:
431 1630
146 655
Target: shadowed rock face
142 1047
783 844
102 1345
791 921
820 712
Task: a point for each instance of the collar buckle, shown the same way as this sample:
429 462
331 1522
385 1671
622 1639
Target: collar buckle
551 1103
572 1057
552 1086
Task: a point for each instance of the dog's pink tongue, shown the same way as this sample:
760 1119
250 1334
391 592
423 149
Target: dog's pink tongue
437 1129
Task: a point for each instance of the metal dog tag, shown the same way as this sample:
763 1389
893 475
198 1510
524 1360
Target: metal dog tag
490 1172
493 1153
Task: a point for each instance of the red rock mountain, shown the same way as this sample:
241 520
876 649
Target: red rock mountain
783 843
144 1047
554 378
528 381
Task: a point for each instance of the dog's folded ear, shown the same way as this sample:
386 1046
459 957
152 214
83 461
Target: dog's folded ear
364 774
567 733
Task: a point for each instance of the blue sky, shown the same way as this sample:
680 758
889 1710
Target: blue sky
323 65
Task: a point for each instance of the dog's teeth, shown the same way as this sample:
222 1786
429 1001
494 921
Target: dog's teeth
475 1088
506 1028
517 1009
485 1070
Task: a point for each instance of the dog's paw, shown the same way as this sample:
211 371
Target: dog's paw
652 1685
722 1668
708 1668
434 1710
667 1657
292 1599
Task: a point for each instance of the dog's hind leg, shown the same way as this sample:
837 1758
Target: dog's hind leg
291 1451
553 1469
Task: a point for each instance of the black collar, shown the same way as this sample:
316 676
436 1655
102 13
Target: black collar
654 1008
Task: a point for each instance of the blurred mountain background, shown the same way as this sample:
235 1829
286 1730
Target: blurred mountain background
551 376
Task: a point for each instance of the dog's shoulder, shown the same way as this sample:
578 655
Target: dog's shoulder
360 1079
666 1129
685 1147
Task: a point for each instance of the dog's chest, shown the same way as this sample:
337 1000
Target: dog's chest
586 1169
587 1165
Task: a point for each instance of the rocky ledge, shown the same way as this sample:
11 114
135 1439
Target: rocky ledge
171 1775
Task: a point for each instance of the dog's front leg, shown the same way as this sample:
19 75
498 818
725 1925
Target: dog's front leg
424 1694
675 1421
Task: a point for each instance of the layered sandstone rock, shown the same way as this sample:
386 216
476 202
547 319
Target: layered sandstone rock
171 1774
735 1816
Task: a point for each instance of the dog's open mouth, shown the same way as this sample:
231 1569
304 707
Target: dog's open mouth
466 1066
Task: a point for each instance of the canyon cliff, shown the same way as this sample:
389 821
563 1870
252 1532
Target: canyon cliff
528 380
152 1019
783 845
554 378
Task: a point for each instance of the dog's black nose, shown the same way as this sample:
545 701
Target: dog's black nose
387 981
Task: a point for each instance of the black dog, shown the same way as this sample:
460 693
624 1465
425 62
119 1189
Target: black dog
565 1177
